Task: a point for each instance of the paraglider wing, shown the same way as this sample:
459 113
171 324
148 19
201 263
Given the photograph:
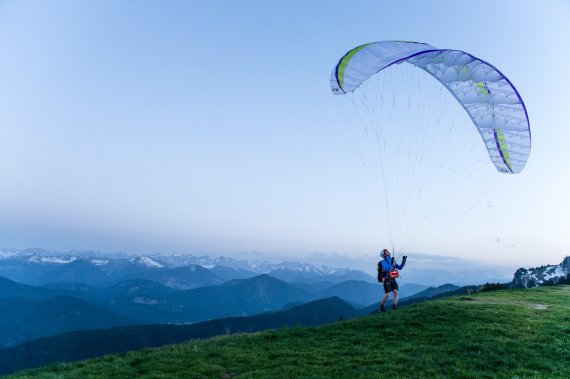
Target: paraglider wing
492 102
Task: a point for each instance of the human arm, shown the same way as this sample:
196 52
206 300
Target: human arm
401 266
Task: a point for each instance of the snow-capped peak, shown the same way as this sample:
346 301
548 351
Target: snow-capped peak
308 268
4 254
55 260
534 277
148 262
99 262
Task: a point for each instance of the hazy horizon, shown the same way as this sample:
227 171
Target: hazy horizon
454 270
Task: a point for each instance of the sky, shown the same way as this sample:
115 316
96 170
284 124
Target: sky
208 127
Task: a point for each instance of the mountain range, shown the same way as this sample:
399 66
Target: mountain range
39 267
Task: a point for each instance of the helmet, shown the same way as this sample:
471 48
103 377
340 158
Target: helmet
384 252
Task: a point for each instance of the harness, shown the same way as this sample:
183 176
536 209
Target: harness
392 274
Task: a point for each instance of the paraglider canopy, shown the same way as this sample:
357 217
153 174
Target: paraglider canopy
489 98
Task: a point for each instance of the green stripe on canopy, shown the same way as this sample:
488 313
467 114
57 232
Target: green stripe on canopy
504 147
344 62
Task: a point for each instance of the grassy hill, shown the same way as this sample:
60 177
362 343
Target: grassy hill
505 334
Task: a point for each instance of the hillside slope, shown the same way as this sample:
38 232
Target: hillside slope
23 319
79 345
507 333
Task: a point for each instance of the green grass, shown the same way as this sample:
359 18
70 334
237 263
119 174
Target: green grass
500 334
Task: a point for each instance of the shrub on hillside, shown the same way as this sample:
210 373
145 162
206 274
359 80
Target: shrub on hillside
494 287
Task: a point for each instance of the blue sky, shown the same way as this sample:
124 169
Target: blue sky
209 127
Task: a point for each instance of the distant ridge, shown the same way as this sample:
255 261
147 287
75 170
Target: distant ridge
81 345
25 319
430 292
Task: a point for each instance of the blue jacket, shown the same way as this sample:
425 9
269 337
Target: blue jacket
388 264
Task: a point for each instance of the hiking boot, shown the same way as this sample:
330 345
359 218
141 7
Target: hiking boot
395 306
382 308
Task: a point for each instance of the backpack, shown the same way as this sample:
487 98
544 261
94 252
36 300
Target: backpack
381 272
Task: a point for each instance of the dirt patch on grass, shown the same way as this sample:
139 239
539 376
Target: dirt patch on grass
474 300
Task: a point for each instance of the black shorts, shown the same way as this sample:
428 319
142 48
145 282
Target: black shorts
390 285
